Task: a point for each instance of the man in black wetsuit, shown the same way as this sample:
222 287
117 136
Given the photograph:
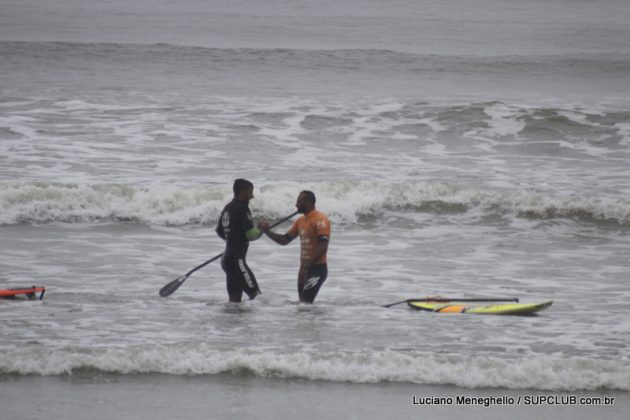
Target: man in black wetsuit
237 229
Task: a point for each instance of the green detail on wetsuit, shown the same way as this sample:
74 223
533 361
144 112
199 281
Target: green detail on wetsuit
253 234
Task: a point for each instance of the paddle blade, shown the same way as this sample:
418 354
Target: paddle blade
170 288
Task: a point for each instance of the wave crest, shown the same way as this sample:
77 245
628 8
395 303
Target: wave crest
536 372
344 202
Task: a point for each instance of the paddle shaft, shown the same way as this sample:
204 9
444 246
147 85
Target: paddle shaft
441 299
202 265
221 254
171 287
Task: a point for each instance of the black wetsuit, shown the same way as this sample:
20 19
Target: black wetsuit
235 220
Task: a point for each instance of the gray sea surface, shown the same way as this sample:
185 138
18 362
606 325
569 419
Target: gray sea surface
460 149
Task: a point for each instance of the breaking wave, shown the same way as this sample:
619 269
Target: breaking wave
345 202
536 372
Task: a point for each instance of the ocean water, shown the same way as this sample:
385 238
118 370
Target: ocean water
460 149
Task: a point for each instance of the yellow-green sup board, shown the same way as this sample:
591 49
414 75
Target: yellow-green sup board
481 308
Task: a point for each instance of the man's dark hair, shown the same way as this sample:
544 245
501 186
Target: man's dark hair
310 196
240 185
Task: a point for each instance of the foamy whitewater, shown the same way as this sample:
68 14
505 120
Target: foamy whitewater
478 153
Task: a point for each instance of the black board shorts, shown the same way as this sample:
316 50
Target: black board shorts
309 287
239 278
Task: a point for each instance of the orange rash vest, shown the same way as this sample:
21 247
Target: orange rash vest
311 227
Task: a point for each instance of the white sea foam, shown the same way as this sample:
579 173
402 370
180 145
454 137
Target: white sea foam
343 201
44 202
624 131
536 372
505 120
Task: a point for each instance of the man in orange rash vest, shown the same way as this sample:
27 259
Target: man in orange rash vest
313 228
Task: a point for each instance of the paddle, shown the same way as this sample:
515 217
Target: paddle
170 288
445 300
